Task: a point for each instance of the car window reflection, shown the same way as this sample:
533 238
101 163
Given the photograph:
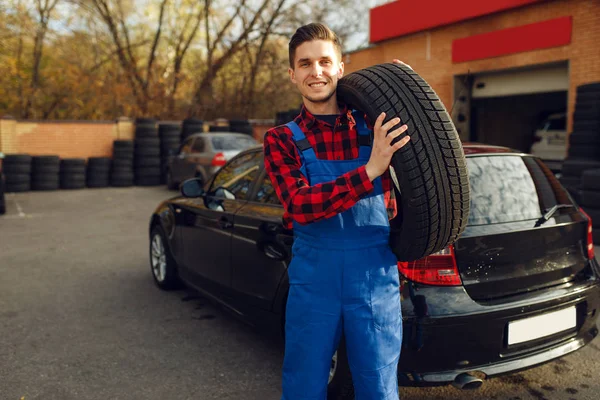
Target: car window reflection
238 175
266 193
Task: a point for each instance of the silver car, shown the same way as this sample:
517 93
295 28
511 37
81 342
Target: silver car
202 154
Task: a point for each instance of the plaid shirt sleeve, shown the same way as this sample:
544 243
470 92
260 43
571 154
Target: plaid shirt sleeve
304 203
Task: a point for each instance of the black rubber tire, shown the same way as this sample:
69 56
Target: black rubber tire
570 182
46 176
16 159
147 162
97 182
17 187
145 132
576 167
147 171
584 138
2 198
341 386
124 173
147 142
431 169
16 168
123 144
587 114
119 163
99 163
589 152
593 87
590 179
72 162
121 180
72 184
45 160
590 198
592 97
147 151
153 180
72 169
214 128
17 178
171 280
145 121
123 154
593 126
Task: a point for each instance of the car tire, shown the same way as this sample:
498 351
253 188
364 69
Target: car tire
167 278
434 196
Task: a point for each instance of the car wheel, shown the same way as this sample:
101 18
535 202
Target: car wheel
340 386
162 263
433 186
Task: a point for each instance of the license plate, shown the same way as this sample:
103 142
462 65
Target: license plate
540 326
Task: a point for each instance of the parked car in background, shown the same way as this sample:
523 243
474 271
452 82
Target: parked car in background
202 154
519 288
550 141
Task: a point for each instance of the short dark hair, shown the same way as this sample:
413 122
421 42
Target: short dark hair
310 32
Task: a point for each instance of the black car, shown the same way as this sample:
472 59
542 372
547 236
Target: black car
519 288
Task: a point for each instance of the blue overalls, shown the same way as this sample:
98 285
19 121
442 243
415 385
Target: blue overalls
343 278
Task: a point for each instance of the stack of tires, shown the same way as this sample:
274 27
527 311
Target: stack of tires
241 126
2 201
170 139
219 128
146 153
121 173
190 126
72 173
584 140
17 172
45 173
98 172
283 117
590 199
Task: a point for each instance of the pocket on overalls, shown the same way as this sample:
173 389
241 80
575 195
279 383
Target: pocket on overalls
385 294
303 265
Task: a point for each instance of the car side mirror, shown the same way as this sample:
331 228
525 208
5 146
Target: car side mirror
224 193
192 188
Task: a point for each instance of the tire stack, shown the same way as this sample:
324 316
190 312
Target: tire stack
190 126
590 199
72 173
219 128
146 157
121 173
98 172
584 140
45 173
283 117
170 139
2 201
17 172
241 126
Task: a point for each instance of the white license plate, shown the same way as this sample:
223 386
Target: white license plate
542 325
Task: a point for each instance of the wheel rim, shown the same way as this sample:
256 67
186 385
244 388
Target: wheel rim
333 368
158 258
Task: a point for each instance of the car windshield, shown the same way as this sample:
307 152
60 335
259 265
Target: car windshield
232 142
509 188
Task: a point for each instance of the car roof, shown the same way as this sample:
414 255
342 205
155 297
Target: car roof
469 148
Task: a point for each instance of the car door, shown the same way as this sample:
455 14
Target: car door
209 220
261 247
182 166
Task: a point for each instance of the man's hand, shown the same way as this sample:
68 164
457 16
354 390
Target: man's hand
383 149
396 61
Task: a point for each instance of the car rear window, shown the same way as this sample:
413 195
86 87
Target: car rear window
232 142
509 188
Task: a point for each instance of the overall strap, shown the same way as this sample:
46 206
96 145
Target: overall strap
364 133
305 150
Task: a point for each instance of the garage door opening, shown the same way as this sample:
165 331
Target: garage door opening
524 109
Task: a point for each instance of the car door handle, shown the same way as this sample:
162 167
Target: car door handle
274 253
225 223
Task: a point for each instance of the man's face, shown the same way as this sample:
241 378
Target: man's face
316 71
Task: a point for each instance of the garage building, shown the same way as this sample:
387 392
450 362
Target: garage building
504 68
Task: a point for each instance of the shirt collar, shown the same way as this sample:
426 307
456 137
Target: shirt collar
309 119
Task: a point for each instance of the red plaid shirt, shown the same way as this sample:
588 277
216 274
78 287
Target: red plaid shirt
303 203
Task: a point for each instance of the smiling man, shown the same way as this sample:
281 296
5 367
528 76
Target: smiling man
336 190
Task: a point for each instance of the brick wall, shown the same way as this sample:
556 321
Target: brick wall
430 52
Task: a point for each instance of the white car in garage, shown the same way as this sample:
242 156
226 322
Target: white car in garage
550 140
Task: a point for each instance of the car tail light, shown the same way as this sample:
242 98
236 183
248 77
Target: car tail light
590 238
437 269
218 160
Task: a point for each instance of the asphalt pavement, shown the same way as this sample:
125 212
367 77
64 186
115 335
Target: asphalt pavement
81 318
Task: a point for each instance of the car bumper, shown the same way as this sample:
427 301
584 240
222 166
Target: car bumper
447 334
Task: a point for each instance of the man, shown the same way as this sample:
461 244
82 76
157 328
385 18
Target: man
336 190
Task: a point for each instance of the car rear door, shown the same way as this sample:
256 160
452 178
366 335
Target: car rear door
261 247
181 166
207 231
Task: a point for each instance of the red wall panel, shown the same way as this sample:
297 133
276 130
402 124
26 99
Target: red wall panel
403 16
540 35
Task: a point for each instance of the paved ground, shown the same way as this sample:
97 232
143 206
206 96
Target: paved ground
80 317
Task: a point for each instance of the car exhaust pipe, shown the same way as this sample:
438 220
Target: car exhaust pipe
467 381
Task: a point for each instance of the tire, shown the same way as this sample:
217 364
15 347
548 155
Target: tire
99 163
145 121
145 132
584 137
340 386
147 162
586 114
147 171
17 178
120 163
72 184
590 179
431 168
147 151
570 182
589 88
123 154
98 182
213 128
584 152
123 144
168 278
11 169
121 181
17 187
147 142
16 159
575 168
153 180
2 199
596 236
592 97
590 198
586 126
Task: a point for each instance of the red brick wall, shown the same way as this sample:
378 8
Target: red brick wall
430 52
